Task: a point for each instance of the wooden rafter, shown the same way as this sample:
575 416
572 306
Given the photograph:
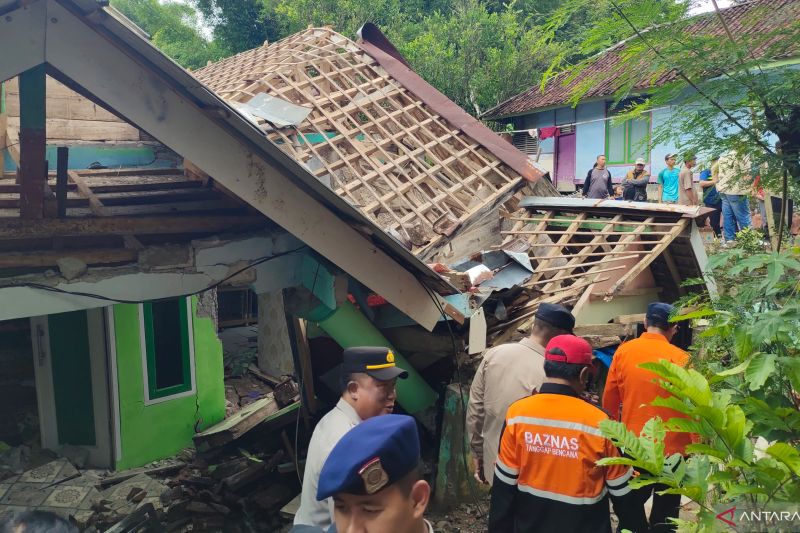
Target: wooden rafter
588 247
381 147
152 225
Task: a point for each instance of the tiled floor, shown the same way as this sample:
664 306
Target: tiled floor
35 489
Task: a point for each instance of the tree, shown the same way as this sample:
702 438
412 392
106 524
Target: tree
173 29
475 57
240 25
727 99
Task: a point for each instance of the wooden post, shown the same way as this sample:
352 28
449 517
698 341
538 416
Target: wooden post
769 215
61 180
33 141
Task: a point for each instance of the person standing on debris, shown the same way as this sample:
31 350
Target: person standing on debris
598 181
546 478
708 182
686 193
735 183
507 373
367 382
629 393
373 476
668 180
635 185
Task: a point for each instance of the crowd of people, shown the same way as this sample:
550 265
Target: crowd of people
534 438
726 184
543 460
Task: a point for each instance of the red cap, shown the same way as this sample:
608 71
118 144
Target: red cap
569 349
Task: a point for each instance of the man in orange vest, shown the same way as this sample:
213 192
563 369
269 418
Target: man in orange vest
546 477
630 390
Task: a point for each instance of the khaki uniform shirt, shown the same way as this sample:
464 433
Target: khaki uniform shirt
507 373
329 430
685 184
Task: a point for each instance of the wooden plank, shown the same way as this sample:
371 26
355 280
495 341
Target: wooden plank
237 425
630 319
32 229
646 260
62 180
606 330
85 130
50 258
74 108
306 371
633 292
290 509
673 271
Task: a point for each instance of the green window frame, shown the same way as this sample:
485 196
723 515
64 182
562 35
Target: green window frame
631 147
168 353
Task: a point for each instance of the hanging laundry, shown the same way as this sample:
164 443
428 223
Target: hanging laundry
546 133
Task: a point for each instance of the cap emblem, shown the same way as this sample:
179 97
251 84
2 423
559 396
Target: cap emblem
374 476
389 357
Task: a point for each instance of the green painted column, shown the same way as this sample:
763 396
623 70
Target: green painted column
349 327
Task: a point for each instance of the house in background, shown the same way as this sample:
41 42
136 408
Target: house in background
586 130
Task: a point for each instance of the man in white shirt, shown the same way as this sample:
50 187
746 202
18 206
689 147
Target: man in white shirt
368 390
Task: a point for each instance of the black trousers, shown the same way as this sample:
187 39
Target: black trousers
715 218
664 506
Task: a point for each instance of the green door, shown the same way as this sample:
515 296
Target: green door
72 378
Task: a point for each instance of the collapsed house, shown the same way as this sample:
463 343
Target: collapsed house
312 176
131 192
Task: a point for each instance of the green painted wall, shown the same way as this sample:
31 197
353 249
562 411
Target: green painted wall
151 432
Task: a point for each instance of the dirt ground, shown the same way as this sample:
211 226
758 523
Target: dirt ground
467 518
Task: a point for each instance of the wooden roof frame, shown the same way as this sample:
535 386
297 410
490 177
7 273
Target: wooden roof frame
153 93
382 147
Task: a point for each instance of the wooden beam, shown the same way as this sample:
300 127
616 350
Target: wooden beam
606 330
32 229
673 271
32 136
50 258
157 97
630 319
62 163
99 209
646 260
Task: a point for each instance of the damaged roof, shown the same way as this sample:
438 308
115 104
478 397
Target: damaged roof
745 19
375 132
561 250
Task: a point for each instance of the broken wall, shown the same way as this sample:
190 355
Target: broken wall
151 432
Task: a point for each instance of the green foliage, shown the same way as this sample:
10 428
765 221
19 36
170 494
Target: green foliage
741 395
173 28
722 87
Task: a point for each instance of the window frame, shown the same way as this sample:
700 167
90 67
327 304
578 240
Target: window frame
627 149
152 394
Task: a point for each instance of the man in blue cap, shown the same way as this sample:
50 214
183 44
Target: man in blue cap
367 384
373 476
507 373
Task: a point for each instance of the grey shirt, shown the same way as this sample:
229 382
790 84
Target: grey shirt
329 430
598 184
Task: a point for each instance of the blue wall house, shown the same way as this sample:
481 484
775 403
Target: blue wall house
589 129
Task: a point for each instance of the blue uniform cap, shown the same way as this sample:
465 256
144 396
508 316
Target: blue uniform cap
371 456
658 314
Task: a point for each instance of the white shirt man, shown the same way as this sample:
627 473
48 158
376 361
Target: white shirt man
368 390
